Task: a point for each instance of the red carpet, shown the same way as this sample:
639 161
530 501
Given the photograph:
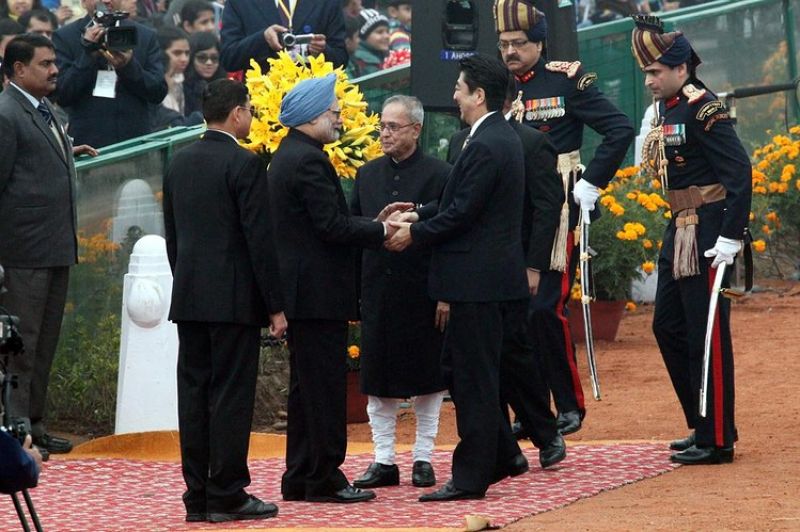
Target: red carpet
111 495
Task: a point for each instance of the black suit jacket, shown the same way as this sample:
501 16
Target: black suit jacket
544 192
103 121
244 22
315 233
37 188
219 235
478 250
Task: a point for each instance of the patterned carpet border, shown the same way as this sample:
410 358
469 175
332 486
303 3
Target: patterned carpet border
127 495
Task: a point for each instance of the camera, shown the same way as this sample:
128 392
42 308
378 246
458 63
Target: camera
117 38
289 40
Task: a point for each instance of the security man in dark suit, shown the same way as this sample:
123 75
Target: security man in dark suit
226 287
522 384
708 179
107 94
317 240
253 29
477 267
559 98
37 223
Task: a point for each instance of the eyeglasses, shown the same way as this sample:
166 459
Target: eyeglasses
253 112
391 127
517 44
207 58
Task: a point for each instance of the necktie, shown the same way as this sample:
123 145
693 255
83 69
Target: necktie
46 114
466 141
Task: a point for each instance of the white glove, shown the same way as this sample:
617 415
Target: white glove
724 251
585 194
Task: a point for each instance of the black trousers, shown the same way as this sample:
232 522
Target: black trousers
471 362
316 436
37 296
551 337
679 325
521 382
217 372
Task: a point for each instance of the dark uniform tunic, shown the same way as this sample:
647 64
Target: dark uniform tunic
400 347
560 104
702 149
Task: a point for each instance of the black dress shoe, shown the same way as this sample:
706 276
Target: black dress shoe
518 466
294 496
568 422
378 475
422 475
53 444
518 431
553 452
196 517
252 508
448 492
695 455
682 445
345 495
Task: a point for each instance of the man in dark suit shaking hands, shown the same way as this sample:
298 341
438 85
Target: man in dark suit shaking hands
37 222
226 287
477 267
317 240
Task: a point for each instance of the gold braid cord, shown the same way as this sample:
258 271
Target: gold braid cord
518 108
654 156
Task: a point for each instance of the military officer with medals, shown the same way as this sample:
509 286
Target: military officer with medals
707 174
559 98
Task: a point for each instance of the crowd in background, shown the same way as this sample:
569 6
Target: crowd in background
185 53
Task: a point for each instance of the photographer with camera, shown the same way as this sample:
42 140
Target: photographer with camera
19 464
259 29
110 72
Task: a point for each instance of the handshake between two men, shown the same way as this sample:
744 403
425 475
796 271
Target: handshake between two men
397 218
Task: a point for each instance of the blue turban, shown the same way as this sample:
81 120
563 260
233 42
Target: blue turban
307 100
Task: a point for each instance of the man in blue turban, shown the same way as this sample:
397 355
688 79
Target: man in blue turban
307 100
317 241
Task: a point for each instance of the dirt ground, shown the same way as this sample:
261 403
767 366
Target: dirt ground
759 491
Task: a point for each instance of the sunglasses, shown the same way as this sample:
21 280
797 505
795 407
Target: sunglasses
207 58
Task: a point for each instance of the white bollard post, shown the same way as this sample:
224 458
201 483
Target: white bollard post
147 397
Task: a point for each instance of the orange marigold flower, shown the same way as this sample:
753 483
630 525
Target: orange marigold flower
655 183
759 246
617 209
762 165
353 351
647 243
772 216
759 190
648 267
758 176
630 306
766 229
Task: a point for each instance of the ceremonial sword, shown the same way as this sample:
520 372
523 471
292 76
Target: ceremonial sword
712 315
585 257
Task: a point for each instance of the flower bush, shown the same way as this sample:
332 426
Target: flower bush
627 236
358 142
775 215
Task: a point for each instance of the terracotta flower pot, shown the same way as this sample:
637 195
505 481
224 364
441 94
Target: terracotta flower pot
606 316
356 401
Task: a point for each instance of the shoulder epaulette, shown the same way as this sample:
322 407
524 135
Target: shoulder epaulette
692 93
570 68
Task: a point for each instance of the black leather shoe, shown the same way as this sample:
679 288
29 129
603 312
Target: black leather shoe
378 475
53 444
422 475
568 422
518 431
682 445
518 466
196 517
293 496
704 455
252 508
448 492
553 452
345 495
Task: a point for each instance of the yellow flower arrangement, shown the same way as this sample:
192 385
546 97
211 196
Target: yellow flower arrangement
358 143
775 215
